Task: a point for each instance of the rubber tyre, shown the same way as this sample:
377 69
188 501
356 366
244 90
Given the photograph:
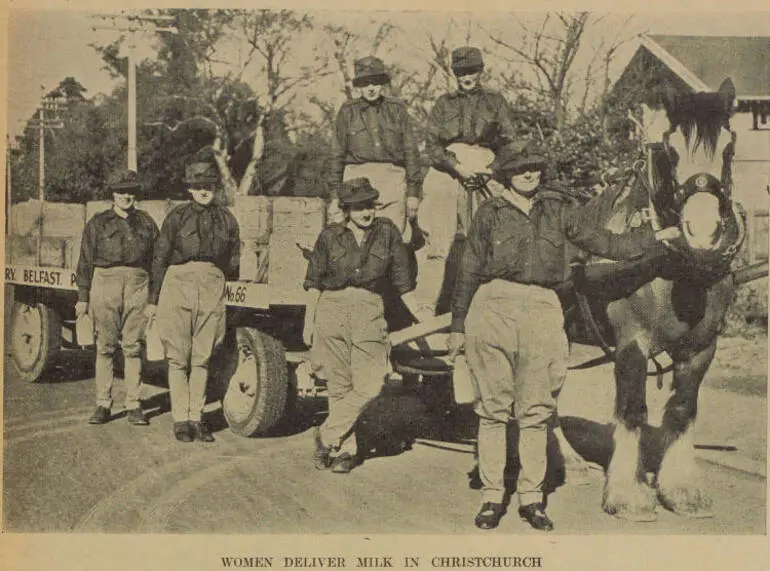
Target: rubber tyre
255 400
35 340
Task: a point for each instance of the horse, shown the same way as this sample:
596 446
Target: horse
675 303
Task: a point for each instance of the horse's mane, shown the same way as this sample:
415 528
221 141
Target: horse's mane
700 116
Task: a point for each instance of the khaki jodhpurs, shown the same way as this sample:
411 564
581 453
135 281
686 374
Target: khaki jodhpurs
191 324
517 354
351 348
117 300
446 209
390 181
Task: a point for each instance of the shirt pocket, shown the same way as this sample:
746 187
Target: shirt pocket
378 260
506 250
552 245
451 126
110 244
188 239
358 136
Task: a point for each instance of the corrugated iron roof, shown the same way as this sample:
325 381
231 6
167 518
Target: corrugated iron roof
713 58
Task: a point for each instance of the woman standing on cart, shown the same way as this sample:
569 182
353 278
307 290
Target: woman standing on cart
198 250
352 264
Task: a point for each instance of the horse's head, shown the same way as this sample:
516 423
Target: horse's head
691 165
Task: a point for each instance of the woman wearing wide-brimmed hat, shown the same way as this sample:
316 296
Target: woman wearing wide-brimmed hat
374 138
352 264
198 250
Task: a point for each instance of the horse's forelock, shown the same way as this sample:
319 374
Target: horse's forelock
700 117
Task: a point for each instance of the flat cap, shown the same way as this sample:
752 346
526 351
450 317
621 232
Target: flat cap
467 58
370 70
125 181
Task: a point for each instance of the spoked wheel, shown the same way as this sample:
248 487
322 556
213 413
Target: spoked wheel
35 339
256 393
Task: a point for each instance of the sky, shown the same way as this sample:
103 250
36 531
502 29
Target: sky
46 46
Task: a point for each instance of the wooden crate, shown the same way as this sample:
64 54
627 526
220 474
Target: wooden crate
287 264
302 216
253 214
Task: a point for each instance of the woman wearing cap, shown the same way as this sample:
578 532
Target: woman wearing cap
465 127
351 265
373 138
112 277
509 318
198 250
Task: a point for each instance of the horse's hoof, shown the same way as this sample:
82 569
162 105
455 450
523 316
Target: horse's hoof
688 502
635 516
635 504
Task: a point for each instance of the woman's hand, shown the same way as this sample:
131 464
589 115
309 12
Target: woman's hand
455 344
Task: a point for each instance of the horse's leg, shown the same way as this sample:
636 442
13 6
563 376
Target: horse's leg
678 481
578 470
626 493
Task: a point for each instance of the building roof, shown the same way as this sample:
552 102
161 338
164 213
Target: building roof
703 62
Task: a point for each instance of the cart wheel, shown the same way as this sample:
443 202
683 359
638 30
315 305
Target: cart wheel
256 394
35 339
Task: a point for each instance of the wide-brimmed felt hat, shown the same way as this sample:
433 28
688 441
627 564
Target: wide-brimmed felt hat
467 59
125 181
370 70
356 191
201 173
518 157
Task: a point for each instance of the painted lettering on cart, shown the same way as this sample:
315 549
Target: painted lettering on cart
235 294
61 279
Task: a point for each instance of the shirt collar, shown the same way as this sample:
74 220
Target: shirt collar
131 212
459 93
518 201
375 104
199 208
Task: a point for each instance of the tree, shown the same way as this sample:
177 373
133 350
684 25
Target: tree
549 49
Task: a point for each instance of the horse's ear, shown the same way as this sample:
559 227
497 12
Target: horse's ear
727 92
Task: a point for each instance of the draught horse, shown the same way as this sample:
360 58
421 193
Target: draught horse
685 181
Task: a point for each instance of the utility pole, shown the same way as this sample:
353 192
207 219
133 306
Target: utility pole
8 193
42 124
135 25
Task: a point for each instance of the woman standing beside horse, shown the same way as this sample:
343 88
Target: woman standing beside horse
508 316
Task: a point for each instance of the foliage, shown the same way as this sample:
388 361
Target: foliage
267 114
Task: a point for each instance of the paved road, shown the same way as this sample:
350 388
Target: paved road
64 475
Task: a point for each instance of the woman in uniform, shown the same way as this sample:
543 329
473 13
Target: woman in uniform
198 251
352 264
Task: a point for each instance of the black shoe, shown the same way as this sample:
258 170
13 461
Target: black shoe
489 515
321 457
343 463
200 431
534 515
100 415
182 431
136 417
